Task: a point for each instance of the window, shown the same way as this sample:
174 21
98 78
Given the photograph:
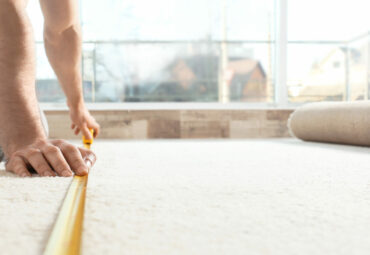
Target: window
173 51
327 50
336 64
217 51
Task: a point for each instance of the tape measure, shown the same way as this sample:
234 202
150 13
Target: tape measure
66 235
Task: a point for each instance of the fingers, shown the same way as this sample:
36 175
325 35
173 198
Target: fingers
80 160
56 159
96 130
88 157
85 127
18 166
74 158
94 126
86 132
77 131
36 159
49 158
75 128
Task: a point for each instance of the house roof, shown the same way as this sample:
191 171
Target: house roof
244 66
206 65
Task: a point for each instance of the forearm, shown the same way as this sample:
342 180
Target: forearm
19 115
63 49
62 37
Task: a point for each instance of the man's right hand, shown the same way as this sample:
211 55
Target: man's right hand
50 158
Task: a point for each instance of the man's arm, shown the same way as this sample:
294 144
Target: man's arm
21 134
19 116
62 37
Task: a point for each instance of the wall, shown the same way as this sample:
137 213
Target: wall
150 124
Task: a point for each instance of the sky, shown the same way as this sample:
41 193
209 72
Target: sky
313 20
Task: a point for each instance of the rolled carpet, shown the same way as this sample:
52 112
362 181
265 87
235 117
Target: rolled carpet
334 122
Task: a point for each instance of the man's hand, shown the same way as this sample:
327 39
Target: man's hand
50 158
83 121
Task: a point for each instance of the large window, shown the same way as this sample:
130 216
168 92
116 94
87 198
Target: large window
217 51
171 51
328 50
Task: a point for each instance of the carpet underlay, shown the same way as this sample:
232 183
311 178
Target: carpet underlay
278 196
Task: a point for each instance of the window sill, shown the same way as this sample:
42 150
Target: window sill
172 106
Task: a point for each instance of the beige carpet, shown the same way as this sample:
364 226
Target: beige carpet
204 197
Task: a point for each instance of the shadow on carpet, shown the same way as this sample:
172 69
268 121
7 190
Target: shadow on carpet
327 146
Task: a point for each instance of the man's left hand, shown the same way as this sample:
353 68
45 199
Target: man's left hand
82 121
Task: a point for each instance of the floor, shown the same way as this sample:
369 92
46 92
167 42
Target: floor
276 196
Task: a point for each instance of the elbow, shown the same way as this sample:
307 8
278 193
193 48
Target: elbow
56 33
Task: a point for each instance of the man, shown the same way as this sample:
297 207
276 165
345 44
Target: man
22 137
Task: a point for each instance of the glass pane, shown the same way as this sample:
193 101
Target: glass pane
176 72
327 20
328 57
177 20
316 72
249 73
36 18
359 69
189 51
249 20
149 20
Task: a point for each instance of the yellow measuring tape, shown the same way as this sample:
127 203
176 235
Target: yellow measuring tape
67 232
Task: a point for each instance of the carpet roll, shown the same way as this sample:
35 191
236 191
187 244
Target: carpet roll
334 122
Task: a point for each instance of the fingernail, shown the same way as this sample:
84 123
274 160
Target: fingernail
82 172
48 174
25 175
88 163
66 173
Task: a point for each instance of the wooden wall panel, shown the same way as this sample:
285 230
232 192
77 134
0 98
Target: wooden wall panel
153 124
